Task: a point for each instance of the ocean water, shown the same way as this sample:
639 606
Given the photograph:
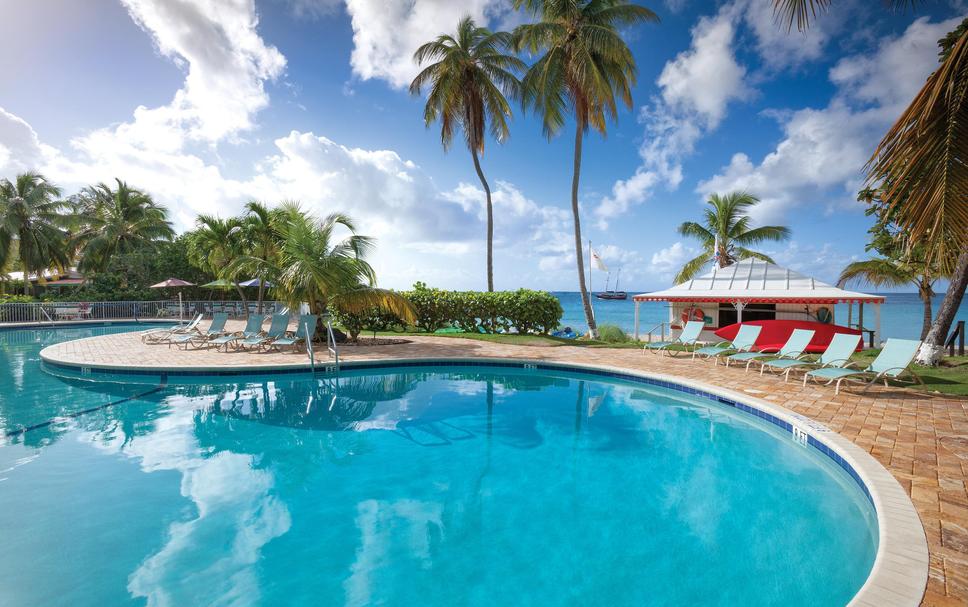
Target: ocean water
431 486
901 313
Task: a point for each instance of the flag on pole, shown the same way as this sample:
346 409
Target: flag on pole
598 261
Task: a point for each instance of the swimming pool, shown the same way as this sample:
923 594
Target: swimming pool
420 485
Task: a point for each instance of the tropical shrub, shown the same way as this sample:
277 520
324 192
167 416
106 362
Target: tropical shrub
612 334
5 299
372 319
471 311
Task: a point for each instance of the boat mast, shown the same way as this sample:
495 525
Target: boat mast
618 275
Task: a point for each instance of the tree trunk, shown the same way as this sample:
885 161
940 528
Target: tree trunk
932 351
925 292
490 220
585 300
262 286
245 304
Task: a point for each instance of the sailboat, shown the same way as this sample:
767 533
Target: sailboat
594 257
612 293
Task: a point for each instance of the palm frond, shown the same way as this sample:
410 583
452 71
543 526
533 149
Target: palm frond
876 272
692 268
921 161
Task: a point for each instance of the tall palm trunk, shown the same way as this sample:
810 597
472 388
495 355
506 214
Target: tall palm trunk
586 302
932 351
490 220
245 304
926 293
262 286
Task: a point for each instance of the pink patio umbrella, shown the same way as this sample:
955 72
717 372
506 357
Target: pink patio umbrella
175 282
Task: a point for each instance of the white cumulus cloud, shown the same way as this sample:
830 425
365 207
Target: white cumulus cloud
668 261
696 87
386 34
823 150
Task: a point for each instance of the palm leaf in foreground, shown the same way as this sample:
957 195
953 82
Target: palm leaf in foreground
921 164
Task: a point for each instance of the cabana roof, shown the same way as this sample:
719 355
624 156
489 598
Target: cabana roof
757 281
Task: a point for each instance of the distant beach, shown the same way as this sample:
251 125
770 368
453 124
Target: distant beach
900 314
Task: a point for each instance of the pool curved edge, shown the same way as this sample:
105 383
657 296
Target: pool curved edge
899 574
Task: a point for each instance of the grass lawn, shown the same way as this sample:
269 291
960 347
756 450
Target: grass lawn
514 339
951 377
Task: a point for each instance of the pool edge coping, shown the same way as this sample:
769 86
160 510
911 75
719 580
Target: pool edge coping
899 574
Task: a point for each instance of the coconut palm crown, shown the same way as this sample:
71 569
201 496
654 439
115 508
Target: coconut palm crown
470 78
117 221
34 222
318 267
726 233
584 69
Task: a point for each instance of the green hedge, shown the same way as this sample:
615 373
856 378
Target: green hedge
528 311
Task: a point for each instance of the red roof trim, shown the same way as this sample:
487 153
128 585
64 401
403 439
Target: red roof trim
792 300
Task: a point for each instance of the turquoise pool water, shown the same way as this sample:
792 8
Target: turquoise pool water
413 486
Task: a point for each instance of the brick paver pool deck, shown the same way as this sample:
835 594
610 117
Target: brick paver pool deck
921 439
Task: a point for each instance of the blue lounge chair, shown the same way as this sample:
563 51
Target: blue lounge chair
277 329
306 322
744 341
794 347
837 354
253 327
689 336
162 336
892 362
216 329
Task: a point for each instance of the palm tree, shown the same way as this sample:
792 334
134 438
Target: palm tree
215 245
881 272
470 80
261 238
117 221
726 233
922 161
316 267
34 222
586 69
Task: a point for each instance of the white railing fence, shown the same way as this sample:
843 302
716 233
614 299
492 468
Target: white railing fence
49 312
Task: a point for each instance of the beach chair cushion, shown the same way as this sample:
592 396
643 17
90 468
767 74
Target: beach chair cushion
837 354
745 340
689 334
305 320
786 363
795 345
892 361
219 341
218 324
834 372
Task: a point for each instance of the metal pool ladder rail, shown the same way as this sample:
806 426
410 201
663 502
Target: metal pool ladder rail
331 344
309 348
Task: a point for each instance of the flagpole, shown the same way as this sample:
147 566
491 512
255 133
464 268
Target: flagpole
590 286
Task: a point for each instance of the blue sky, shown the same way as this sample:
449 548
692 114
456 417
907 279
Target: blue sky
210 103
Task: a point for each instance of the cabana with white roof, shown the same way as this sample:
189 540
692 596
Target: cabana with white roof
753 289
